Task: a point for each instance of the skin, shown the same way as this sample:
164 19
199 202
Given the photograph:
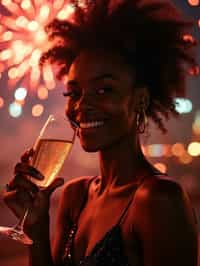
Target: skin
160 218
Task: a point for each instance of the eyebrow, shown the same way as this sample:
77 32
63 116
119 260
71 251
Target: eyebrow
103 76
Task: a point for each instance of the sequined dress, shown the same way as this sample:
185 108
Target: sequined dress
107 252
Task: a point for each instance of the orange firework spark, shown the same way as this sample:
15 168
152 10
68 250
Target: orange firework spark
23 39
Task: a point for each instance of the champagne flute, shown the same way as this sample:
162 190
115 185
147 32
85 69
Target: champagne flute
51 148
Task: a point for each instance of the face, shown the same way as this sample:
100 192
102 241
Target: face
101 99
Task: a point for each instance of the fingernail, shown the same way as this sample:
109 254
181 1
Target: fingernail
40 176
37 174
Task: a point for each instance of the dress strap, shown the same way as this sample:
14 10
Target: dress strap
129 203
85 197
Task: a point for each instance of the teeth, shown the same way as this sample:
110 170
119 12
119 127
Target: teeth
91 124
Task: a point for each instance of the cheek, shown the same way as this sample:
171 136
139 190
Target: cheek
122 116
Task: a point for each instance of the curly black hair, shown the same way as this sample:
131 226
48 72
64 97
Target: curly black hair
151 35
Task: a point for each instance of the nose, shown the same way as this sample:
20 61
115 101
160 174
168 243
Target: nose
84 106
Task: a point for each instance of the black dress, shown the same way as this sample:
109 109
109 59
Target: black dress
108 251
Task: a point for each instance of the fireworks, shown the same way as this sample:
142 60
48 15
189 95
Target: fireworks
23 39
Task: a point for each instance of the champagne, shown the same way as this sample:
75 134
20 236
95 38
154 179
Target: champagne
49 156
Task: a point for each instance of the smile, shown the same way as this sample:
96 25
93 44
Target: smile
91 124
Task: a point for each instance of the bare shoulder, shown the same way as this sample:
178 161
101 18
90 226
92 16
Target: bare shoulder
164 221
162 194
161 189
76 185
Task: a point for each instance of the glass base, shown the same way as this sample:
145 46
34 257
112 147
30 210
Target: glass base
16 234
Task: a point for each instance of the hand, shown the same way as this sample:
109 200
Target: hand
23 194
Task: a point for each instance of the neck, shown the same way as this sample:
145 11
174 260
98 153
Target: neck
122 164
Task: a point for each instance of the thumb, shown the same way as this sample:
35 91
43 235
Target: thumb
57 182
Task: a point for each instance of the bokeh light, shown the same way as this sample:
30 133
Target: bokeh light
193 2
42 92
15 109
20 94
194 149
37 110
178 149
183 106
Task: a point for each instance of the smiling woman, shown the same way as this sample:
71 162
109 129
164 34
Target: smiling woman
99 90
125 61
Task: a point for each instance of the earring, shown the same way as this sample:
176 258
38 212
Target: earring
141 119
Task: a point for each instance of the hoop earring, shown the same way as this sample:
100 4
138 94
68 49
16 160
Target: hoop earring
141 120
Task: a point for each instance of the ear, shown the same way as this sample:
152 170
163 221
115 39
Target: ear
142 97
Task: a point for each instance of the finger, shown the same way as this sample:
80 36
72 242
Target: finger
57 182
26 169
19 200
21 181
25 158
24 198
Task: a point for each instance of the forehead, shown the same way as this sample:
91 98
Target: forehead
88 65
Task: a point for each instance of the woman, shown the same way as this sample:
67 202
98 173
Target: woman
125 61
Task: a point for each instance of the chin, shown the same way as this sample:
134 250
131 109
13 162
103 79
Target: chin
89 147
94 147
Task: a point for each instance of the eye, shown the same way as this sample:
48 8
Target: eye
71 94
103 90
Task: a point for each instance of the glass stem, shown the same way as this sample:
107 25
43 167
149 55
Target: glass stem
20 225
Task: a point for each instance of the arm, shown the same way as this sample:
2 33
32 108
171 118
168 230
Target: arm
165 225
40 252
